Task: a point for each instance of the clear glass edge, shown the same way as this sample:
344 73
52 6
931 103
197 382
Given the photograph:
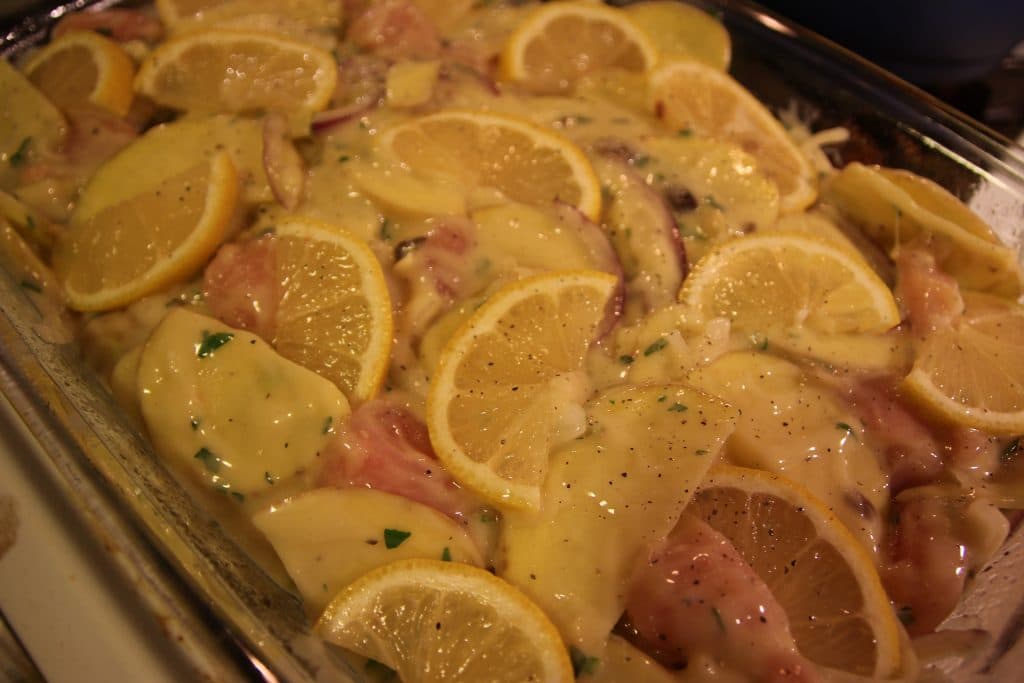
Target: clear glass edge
71 413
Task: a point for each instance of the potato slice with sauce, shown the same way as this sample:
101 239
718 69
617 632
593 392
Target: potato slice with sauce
609 496
222 405
327 538
795 426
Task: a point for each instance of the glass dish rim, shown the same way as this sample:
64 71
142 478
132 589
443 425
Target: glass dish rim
302 660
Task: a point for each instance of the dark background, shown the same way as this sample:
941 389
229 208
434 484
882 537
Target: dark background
969 53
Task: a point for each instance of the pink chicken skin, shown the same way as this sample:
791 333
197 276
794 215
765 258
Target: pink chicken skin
241 286
924 564
927 569
396 29
383 446
697 595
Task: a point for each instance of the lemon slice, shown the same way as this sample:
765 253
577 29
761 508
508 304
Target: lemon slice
972 373
444 621
29 124
81 67
894 208
510 381
321 537
682 30
936 199
150 240
179 145
236 71
691 96
527 163
334 316
561 42
838 611
789 280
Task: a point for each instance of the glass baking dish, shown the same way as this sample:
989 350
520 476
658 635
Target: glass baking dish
233 622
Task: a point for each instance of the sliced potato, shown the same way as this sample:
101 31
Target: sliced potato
327 538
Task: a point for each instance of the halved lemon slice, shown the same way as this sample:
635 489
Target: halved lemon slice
510 383
179 145
237 71
84 67
936 199
148 241
561 42
972 373
524 161
691 96
682 30
895 208
789 280
444 621
334 316
839 613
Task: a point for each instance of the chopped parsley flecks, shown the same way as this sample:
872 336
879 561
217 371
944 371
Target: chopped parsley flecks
626 359
677 408
395 537
270 478
1011 450
227 491
662 398
844 427
194 424
656 346
379 671
718 618
487 517
212 342
446 555
713 203
343 158
210 461
641 161
31 285
582 663
684 132
328 423
20 155
701 451
906 615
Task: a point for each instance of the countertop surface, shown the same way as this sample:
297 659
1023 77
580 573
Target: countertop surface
59 592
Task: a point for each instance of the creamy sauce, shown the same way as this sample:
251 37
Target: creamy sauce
610 497
794 426
222 404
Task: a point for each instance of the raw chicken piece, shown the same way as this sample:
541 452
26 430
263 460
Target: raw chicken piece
928 567
241 286
120 24
697 596
931 298
384 446
397 29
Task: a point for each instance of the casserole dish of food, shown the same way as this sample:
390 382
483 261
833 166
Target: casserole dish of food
395 325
